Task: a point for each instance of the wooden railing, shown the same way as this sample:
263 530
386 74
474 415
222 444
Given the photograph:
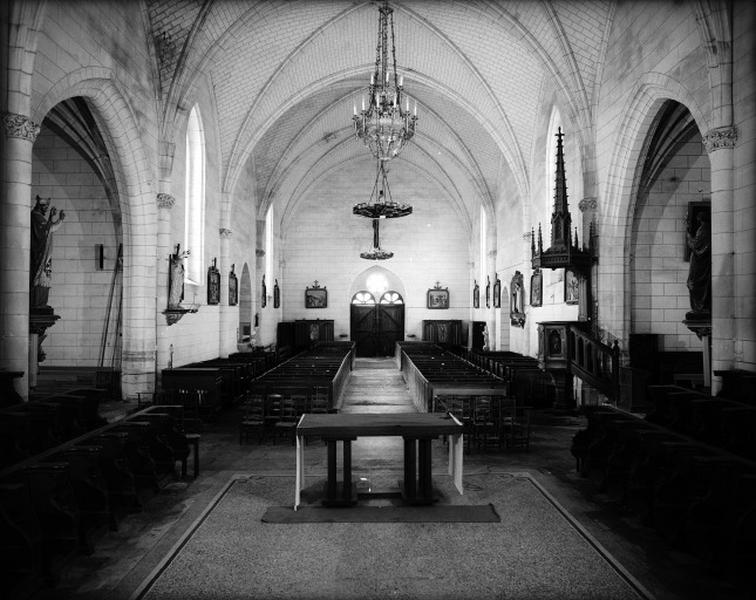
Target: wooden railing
419 388
339 383
594 362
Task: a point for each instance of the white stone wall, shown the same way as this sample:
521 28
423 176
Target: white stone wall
100 51
323 241
80 291
659 293
205 324
653 53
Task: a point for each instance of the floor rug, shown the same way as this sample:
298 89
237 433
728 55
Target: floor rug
536 551
436 513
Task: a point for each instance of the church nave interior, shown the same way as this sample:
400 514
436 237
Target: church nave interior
535 216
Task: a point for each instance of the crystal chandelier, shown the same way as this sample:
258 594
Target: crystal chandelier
384 126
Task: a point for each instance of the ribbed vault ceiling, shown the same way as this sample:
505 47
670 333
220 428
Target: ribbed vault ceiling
286 76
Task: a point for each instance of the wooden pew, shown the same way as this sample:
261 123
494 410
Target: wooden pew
199 389
236 377
21 543
692 493
85 483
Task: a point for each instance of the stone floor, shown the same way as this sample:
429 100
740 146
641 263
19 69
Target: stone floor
124 559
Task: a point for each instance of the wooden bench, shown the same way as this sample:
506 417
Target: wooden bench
693 494
85 483
199 390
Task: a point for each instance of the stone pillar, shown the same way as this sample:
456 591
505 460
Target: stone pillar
18 137
720 144
227 335
165 203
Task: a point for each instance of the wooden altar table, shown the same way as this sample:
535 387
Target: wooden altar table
417 429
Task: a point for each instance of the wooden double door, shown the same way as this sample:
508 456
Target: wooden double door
375 328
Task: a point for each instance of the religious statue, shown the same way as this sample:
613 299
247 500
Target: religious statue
698 236
176 277
40 269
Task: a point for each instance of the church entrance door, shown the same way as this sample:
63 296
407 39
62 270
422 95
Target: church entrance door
376 327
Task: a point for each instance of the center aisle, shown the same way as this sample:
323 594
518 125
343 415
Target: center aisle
376 386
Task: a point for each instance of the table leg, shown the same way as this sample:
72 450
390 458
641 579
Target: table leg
410 469
347 468
425 479
331 486
451 440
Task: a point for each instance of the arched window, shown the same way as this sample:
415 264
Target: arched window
363 297
377 284
391 297
483 247
194 230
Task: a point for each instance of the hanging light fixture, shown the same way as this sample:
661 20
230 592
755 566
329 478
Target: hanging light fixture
385 125
380 206
376 252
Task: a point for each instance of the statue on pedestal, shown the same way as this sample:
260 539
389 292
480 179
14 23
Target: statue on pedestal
176 277
40 269
698 238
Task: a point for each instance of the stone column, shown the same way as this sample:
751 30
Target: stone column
720 144
165 203
19 135
227 335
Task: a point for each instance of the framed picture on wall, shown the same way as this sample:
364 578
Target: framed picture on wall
571 287
213 284
438 297
233 288
536 288
316 296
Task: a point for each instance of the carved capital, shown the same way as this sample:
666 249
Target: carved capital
165 200
587 204
19 126
225 233
719 138
259 252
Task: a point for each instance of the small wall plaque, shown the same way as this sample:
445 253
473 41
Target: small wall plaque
316 296
438 297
